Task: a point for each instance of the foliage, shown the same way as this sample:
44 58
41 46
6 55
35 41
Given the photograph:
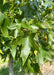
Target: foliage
5 70
26 31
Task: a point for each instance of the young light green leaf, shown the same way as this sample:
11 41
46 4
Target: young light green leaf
4 1
16 32
14 26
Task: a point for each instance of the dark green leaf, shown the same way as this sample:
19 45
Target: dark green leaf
1 18
4 27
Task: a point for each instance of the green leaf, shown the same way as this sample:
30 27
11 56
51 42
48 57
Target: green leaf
35 3
25 24
51 37
33 44
47 55
4 1
40 58
43 55
29 66
1 18
1 52
18 41
16 32
14 26
26 49
4 27
13 50
34 28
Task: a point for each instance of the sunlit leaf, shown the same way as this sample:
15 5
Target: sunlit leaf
25 50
